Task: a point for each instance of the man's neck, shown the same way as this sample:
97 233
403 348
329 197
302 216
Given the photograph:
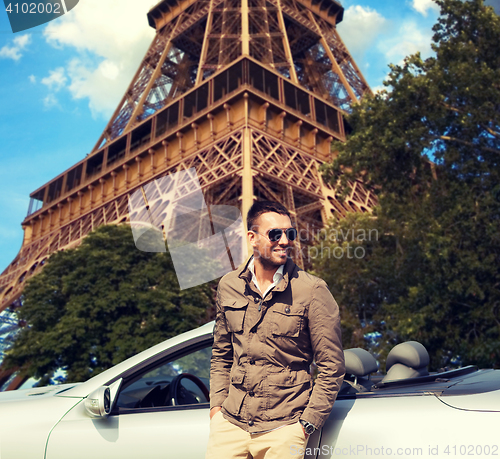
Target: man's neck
264 273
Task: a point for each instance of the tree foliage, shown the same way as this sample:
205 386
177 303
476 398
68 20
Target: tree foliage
429 145
96 305
357 262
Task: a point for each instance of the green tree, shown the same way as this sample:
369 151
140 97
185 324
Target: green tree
357 261
96 305
429 145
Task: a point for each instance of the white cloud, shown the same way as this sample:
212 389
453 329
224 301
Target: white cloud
422 6
98 85
360 28
110 46
50 101
15 51
55 82
378 88
32 79
56 79
410 39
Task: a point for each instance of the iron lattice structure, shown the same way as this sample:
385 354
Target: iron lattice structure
251 93
196 39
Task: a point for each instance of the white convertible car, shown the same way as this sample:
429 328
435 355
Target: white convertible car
155 405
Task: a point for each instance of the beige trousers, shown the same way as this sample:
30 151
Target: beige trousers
227 441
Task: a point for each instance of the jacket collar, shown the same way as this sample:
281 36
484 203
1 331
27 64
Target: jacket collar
290 266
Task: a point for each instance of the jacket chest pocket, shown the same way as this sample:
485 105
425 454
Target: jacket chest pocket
288 320
234 311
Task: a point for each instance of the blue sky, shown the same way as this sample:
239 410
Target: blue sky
60 83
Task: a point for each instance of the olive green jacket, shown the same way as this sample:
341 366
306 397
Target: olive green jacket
263 348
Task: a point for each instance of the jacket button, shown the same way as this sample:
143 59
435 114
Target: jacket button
256 299
287 310
251 393
252 362
250 423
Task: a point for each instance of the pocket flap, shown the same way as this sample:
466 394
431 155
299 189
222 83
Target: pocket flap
237 377
289 379
291 310
234 304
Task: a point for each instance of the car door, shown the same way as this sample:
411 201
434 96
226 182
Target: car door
148 419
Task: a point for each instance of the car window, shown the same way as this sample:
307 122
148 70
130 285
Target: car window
182 381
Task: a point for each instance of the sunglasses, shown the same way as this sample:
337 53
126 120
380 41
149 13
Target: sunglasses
274 235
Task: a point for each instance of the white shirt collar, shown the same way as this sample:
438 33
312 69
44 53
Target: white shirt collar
278 275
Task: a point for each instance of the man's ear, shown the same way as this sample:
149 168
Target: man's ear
251 238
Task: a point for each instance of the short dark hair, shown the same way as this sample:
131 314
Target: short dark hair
261 207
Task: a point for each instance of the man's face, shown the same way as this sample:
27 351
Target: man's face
270 253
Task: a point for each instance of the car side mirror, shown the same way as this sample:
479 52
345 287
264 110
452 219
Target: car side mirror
99 403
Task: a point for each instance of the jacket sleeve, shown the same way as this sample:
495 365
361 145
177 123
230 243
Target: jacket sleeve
326 341
222 358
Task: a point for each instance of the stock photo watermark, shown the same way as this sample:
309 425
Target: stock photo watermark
451 450
205 242
335 243
25 15
337 234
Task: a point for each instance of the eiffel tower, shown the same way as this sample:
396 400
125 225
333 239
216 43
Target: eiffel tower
251 93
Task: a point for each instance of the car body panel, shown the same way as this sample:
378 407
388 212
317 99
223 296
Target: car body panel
486 401
479 392
25 424
175 433
31 394
413 425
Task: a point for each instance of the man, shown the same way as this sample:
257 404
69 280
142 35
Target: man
272 321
